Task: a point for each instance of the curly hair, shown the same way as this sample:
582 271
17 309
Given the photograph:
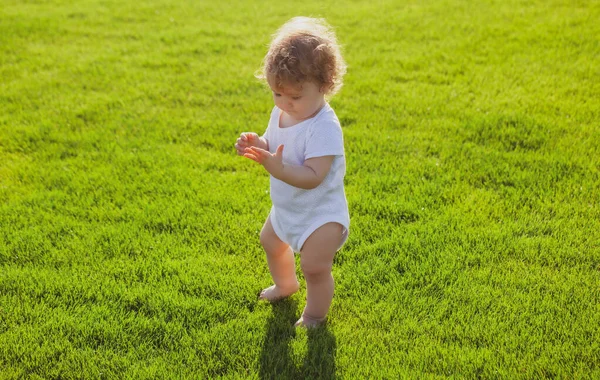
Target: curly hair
304 49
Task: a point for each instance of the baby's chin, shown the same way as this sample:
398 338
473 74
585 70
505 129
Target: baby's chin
295 115
301 116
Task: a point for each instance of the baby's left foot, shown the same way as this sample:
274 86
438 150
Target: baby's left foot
275 293
309 322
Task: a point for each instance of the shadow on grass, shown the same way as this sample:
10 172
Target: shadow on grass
320 359
276 361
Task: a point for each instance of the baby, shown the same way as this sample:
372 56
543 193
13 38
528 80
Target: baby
303 151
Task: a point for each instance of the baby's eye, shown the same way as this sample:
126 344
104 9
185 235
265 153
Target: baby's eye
296 97
276 94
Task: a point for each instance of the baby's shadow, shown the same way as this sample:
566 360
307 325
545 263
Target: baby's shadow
320 358
276 360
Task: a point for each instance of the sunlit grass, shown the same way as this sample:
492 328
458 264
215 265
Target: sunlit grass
129 227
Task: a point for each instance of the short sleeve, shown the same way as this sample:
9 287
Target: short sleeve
269 131
325 139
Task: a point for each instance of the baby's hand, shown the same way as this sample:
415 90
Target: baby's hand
272 162
246 140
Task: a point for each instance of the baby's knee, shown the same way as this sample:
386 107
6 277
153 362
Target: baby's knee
272 245
264 239
311 268
268 238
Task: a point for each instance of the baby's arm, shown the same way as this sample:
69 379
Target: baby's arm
306 176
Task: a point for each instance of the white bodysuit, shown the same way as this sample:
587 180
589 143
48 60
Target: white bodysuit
296 212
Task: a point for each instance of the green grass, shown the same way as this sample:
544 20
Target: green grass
129 227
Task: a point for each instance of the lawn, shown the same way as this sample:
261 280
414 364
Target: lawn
129 227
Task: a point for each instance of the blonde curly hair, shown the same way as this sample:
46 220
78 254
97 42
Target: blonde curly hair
304 49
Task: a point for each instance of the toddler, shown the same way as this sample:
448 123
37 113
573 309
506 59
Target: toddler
303 151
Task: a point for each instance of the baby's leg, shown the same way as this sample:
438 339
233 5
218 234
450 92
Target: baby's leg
282 266
316 260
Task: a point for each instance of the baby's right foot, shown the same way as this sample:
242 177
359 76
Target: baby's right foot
275 293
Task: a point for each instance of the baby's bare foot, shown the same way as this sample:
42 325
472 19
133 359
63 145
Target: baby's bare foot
308 322
275 293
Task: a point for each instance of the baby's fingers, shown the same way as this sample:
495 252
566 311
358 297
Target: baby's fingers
258 151
240 148
252 157
250 136
260 154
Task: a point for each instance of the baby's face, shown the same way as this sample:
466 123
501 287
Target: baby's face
301 102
